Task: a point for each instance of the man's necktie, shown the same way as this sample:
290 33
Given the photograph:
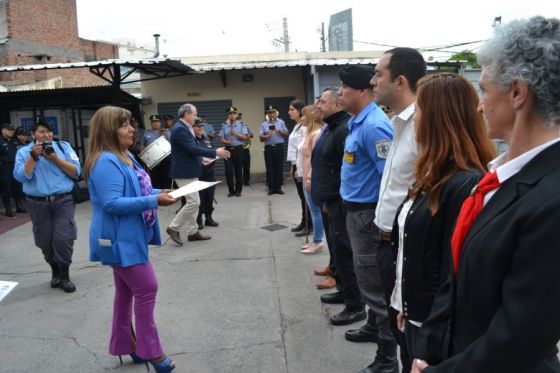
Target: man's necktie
469 211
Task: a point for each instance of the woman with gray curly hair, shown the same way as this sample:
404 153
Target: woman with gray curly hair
499 310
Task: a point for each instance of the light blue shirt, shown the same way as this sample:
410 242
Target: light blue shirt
365 151
47 178
150 137
276 138
208 128
249 132
238 128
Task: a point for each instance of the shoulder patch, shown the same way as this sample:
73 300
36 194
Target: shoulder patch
382 148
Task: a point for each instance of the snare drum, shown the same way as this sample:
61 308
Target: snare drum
156 152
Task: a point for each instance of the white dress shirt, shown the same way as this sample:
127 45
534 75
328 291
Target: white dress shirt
506 169
398 173
295 139
396 297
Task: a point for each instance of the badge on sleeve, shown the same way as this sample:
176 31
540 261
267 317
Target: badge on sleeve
382 148
349 157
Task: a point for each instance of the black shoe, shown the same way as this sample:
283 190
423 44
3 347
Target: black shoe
65 283
211 222
270 192
246 183
55 280
298 227
230 194
385 360
302 233
348 317
333 298
364 334
238 194
279 191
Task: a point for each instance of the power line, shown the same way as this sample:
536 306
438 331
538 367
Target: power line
426 49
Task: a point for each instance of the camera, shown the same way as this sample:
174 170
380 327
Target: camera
271 127
47 147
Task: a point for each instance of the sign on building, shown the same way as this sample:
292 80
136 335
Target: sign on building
340 31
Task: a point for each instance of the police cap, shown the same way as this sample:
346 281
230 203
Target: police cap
155 118
356 76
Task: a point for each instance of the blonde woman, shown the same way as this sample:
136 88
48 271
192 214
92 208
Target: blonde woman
313 128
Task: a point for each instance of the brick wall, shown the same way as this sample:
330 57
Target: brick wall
52 22
46 31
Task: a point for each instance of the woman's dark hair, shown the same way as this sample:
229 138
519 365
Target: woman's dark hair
298 105
41 124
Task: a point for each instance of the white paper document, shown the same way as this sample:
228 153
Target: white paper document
193 187
6 287
207 161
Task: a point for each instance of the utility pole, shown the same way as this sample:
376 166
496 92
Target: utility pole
323 47
285 39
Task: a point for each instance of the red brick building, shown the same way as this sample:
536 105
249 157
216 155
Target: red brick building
44 32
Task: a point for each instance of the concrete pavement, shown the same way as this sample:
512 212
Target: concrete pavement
244 301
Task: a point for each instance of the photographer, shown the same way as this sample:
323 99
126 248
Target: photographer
46 170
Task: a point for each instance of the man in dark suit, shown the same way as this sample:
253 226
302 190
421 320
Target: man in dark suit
499 311
186 167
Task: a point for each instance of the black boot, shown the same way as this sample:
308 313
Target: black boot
8 207
55 280
298 227
386 358
199 221
65 283
20 207
211 222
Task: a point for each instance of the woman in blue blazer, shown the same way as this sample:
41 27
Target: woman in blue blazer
124 223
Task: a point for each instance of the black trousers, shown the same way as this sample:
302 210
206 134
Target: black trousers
234 168
343 257
207 195
304 207
246 166
332 265
274 160
387 266
160 175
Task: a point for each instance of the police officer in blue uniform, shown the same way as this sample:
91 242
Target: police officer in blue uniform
272 133
370 134
47 171
8 149
160 173
246 152
233 135
206 195
208 127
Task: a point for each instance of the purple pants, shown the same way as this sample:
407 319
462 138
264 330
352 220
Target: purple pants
136 282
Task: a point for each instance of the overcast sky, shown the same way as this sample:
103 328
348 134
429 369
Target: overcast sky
208 27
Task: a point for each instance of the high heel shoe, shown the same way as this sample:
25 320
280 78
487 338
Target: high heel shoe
164 366
137 360
313 248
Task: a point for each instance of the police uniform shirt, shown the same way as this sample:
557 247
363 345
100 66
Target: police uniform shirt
47 179
365 151
276 138
8 150
150 137
249 132
237 127
208 128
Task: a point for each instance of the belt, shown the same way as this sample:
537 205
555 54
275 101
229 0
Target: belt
273 145
356 206
385 236
51 198
234 147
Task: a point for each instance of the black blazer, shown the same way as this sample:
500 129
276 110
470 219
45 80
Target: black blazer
186 155
427 243
505 298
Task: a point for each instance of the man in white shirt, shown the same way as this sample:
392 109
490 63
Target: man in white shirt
394 85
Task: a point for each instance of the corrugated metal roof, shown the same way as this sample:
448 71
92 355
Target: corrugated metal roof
130 62
215 66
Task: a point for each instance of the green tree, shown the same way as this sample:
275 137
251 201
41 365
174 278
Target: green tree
468 58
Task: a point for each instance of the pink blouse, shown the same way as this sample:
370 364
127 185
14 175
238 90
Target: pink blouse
306 150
